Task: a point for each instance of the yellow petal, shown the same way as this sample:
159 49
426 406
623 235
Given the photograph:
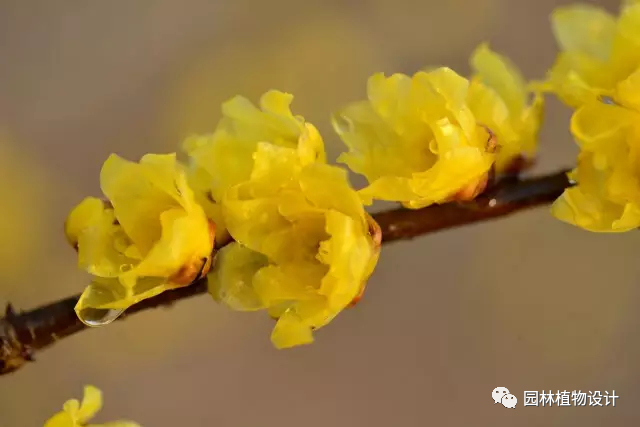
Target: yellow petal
532 119
289 282
328 186
452 90
221 161
139 193
184 240
311 146
577 78
273 169
585 29
91 404
625 55
100 241
273 122
490 109
72 406
290 331
601 127
61 419
231 280
391 188
628 91
84 215
589 205
501 75
591 213
347 253
458 165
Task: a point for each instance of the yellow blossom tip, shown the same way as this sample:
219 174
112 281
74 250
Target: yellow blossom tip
79 414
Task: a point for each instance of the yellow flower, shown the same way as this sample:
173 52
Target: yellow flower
76 414
598 51
607 195
498 97
225 158
416 140
149 237
303 249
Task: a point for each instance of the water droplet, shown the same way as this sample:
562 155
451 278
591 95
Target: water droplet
99 316
607 100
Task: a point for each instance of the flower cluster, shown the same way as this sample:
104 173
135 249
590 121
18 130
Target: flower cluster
274 227
76 414
431 138
598 73
302 246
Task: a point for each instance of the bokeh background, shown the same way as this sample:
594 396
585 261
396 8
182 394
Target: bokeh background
526 302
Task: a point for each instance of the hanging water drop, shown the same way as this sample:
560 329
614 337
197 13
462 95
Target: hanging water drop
99 316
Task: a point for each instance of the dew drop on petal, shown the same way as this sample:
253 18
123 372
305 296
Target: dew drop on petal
99 316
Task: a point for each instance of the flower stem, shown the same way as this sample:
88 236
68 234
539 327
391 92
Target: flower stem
24 334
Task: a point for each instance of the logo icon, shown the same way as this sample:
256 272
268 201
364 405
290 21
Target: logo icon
509 401
499 393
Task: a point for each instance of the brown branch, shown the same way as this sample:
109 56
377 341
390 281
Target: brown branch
23 334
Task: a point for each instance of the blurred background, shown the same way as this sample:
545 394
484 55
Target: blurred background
526 302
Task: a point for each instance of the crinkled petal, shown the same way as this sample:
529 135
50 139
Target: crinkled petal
385 93
291 331
589 205
328 187
273 122
226 158
375 150
459 165
593 214
452 89
601 127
